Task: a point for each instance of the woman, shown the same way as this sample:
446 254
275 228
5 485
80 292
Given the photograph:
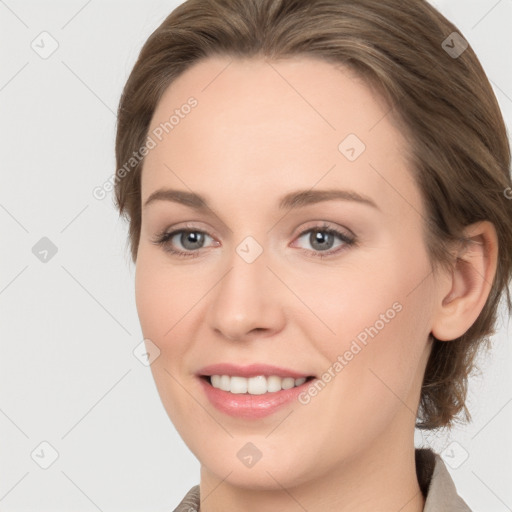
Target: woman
317 200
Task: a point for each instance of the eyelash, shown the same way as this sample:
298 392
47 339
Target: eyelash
164 237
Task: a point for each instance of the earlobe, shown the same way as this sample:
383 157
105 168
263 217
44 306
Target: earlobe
470 283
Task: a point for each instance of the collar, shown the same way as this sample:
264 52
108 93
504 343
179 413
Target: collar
436 483
434 480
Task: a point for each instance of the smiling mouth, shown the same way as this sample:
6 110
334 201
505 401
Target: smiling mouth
257 385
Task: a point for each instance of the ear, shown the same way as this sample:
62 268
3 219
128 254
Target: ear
462 295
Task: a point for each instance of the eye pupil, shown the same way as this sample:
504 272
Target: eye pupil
321 240
191 237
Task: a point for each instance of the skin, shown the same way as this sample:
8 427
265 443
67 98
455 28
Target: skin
262 129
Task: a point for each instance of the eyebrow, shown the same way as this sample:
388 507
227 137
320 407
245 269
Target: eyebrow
290 201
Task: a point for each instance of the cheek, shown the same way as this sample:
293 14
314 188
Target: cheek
163 294
165 306
377 313
151 298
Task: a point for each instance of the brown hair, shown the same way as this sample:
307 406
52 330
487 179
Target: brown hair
458 142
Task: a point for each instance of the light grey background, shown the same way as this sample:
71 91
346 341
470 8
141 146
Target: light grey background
68 376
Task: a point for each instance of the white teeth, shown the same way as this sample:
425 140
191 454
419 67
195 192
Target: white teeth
273 384
288 383
225 382
254 385
238 385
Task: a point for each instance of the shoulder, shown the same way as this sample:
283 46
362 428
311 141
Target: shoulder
436 483
190 503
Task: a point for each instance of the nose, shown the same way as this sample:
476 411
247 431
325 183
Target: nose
248 301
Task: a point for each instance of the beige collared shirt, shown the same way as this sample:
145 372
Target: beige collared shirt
433 477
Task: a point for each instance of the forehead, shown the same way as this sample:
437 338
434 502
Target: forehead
290 122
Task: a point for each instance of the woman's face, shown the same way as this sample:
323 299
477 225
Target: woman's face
333 283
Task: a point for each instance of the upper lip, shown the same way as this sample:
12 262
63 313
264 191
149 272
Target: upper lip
251 370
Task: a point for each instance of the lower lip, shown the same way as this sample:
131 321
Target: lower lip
244 405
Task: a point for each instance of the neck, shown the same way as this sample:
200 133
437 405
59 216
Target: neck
383 478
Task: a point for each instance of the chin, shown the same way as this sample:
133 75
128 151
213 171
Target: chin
271 472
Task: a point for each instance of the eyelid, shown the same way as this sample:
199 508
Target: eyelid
186 226
320 225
